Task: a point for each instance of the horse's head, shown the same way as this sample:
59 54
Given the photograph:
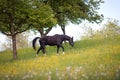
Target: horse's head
71 42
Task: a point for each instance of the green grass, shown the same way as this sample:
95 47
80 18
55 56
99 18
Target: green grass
97 59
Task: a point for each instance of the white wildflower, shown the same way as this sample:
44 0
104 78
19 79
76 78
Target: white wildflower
60 78
68 68
49 77
63 75
57 74
75 77
50 72
6 76
25 77
103 74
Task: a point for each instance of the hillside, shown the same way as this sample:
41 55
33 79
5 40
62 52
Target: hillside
97 59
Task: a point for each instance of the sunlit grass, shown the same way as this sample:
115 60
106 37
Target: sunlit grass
88 60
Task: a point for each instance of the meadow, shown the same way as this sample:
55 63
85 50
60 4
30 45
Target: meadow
93 59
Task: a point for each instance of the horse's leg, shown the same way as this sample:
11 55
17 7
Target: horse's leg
58 49
43 50
58 46
39 50
62 48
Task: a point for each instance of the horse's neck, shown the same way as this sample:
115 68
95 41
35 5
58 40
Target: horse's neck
66 38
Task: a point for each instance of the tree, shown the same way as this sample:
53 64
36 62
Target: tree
66 11
14 19
111 28
75 11
43 17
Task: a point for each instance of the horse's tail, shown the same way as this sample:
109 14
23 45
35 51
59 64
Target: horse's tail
34 41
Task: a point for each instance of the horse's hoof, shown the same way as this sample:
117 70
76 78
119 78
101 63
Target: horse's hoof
44 55
36 55
57 54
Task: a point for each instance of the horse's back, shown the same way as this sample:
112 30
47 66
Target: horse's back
52 40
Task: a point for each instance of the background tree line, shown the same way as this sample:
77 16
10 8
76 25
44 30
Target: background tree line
17 16
109 30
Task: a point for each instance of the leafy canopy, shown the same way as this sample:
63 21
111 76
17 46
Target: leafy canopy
14 16
42 15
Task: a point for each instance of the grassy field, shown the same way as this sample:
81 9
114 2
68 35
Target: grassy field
97 59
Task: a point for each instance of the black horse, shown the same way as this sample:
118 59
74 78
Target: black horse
55 40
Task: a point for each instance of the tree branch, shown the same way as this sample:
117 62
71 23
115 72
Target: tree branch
48 30
24 29
7 34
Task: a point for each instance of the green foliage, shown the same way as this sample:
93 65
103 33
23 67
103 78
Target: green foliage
77 10
74 11
42 16
96 59
13 15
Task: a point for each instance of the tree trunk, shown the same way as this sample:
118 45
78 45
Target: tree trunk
14 47
44 33
63 29
41 31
